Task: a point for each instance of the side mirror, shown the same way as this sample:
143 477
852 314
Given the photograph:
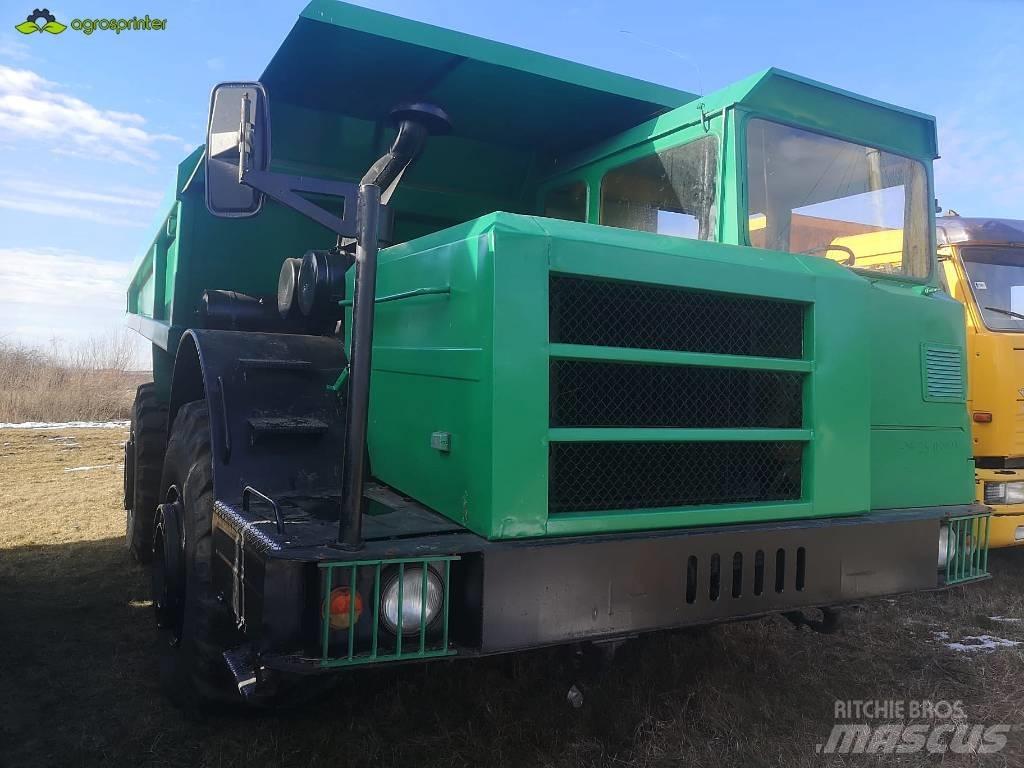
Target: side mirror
237 142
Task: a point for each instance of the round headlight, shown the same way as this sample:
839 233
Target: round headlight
413 604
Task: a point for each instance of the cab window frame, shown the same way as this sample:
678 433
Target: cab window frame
743 207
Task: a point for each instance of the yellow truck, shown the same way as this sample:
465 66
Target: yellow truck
982 263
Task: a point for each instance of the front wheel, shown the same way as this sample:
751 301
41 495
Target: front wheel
194 626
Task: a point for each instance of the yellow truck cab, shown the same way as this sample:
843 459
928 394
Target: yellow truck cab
983 267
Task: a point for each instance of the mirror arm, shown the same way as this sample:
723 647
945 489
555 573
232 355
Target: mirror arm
284 188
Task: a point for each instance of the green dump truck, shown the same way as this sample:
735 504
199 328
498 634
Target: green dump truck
525 382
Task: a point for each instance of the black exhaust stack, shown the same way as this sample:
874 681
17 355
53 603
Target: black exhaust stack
415 123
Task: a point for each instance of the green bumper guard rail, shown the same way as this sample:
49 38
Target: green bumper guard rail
359 637
967 548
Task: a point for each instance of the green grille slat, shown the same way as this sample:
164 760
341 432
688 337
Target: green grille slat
362 644
400 623
943 378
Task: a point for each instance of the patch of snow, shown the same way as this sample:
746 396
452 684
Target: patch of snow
65 425
1007 619
86 469
972 643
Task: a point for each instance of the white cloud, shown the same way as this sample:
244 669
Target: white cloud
121 196
120 207
15 50
66 211
62 298
56 278
35 109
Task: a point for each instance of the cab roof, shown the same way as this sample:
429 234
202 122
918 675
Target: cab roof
775 94
953 230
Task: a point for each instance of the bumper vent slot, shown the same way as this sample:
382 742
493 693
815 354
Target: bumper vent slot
591 311
943 373
603 476
719 576
604 394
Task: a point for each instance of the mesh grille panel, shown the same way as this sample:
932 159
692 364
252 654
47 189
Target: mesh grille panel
602 394
619 314
588 477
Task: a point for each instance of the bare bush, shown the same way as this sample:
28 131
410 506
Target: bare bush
90 380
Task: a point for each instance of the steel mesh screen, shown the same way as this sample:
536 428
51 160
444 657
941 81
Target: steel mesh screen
596 476
602 394
585 310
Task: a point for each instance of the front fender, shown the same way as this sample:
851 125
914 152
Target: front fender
274 424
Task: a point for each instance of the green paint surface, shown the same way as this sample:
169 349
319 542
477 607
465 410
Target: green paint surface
475 364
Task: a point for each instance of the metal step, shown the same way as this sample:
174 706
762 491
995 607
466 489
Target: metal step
269 364
282 426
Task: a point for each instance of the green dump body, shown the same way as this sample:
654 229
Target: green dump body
529 388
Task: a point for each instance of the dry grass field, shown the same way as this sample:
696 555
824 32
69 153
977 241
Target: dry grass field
78 680
91 380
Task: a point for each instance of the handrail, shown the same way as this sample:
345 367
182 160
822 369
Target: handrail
250 491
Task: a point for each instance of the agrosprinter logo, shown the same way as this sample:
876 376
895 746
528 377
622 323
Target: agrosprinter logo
41 20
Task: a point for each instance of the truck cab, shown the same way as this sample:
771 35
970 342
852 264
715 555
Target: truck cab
983 266
789 166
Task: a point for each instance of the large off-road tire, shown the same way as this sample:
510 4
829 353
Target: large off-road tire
143 465
194 626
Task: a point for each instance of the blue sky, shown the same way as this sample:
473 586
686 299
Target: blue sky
91 127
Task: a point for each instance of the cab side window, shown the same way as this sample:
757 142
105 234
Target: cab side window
671 192
567 202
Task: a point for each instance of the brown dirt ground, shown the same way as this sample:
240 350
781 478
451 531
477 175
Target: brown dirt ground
78 684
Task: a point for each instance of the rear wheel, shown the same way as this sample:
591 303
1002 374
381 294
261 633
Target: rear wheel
143 464
195 627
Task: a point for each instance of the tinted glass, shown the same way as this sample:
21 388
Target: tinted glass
568 202
671 192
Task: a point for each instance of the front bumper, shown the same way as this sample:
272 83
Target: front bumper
1007 530
1007 524
504 596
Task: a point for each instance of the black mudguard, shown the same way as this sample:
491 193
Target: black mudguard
275 424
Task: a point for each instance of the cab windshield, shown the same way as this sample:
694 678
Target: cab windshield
996 275
857 205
